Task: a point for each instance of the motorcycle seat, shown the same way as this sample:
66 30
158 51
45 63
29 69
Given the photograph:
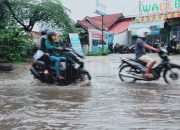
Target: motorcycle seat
39 62
138 61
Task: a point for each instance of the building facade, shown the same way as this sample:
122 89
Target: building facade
115 30
163 19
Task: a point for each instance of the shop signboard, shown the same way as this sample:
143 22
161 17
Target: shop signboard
160 7
95 40
76 44
155 27
98 36
100 8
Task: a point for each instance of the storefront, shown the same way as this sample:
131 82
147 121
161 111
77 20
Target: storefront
174 25
175 31
158 31
162 18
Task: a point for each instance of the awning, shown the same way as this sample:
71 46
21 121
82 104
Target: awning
156 17
136 26
154 26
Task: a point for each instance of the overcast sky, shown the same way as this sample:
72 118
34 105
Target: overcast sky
81 8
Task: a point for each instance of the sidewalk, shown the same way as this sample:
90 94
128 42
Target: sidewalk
6 67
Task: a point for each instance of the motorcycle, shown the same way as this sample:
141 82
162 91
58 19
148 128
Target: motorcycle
171 49
72 71
132 70
131 49
110 47
174 47
122 49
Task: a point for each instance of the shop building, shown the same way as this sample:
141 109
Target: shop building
163 19
93 28
120 31
115 30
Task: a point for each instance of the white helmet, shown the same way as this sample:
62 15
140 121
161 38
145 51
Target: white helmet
143 32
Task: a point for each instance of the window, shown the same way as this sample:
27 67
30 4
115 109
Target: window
97 42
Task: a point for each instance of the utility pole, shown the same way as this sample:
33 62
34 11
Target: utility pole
139 8
102 40
101 9
166 6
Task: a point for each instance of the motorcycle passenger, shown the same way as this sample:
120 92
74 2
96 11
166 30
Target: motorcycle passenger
140 52
42 47
41 53
53 49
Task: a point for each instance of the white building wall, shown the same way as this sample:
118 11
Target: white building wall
121 38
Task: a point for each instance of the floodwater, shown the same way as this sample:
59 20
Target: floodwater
104 104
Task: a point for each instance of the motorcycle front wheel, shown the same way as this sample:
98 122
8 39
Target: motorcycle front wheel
86 76
125 74
172 76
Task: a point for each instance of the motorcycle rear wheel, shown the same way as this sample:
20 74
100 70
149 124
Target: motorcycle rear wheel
125 70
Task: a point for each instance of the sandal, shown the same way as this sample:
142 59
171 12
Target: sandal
60 78
46 72
150 76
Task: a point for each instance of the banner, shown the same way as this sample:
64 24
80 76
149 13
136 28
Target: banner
76 44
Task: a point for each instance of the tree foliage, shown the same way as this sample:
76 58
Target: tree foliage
27 13
18 15
13 46
2 9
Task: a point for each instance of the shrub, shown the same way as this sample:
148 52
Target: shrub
102 52
13 47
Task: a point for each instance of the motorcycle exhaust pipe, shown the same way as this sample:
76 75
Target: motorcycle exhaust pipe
133 77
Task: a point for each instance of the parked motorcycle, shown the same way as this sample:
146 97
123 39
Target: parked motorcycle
173 49
133 69
72 71
124 49
117 48
174 46
110 47
131 49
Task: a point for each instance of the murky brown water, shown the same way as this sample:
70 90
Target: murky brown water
105 104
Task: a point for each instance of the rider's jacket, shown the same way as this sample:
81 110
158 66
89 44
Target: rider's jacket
51 47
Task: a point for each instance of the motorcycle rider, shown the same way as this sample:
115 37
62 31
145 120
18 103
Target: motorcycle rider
140 46
53 48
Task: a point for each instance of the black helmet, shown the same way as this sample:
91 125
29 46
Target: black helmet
50 34
44 32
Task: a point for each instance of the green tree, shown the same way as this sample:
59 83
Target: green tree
27 13
18 15
2 9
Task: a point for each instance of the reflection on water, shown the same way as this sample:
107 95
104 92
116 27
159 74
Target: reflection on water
106 104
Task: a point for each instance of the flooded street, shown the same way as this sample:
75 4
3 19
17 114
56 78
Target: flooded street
105 104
